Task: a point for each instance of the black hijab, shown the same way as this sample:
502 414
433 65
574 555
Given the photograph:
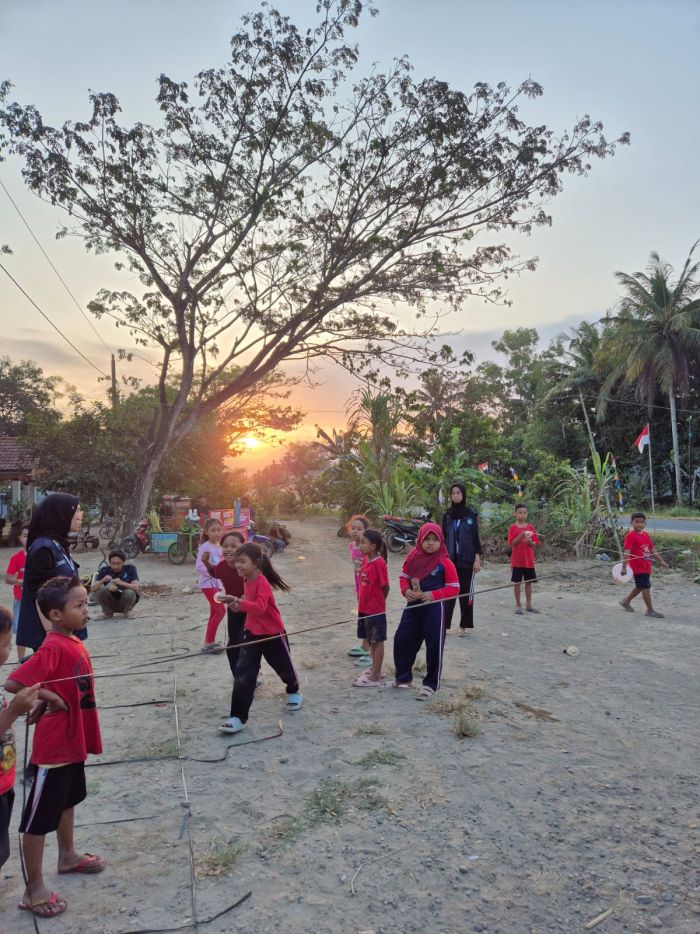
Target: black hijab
52 518
458 510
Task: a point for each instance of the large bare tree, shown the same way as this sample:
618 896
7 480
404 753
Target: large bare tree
285 208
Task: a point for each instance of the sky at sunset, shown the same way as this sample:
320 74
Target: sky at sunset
632 64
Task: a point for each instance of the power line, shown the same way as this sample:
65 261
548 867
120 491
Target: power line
56 329
48 260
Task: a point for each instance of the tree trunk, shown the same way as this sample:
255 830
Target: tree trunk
145 478
676 448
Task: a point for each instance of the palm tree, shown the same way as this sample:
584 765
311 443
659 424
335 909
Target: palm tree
654 337
578 370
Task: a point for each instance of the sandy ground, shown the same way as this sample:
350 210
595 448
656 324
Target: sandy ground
584 799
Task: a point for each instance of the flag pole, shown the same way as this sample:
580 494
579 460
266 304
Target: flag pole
651 481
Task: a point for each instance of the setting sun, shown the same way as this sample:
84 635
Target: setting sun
251 443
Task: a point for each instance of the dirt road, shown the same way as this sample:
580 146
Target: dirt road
579 793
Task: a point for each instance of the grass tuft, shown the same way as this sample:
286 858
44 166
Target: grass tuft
369 729
329 803
380 757
464 725
219 860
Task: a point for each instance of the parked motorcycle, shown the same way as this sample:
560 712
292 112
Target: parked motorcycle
400 532
139 541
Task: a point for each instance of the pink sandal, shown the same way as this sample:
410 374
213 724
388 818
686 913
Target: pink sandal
364 681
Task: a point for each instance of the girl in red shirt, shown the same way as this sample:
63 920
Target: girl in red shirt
371 604
428 578
262 621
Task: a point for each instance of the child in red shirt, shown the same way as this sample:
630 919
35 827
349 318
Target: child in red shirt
64 736
262 621
21 703
639 550
522 539
371 604
14 575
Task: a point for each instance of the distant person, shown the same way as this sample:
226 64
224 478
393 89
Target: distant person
460 525
15 576
371 604
428 578
208 584
64 736
116 587
203 510
262 621
245 504
21 703
522 539
47 557
356 527
639 551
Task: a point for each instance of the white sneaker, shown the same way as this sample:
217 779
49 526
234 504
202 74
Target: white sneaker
230 725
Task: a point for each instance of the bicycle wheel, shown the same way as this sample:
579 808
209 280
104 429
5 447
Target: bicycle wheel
107 530
176 553
130 546
92 542
395 543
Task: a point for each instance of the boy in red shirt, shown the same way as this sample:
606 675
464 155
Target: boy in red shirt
14 575
63 738
639 550
522 539
371 604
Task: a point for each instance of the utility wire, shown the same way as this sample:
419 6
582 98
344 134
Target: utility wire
55 327
48 260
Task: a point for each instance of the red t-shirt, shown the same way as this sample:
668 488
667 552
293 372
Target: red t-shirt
522 555
16 566
640 546
230 578
65 736
373 578
262 616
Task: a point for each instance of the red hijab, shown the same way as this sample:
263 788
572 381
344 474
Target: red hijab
419 563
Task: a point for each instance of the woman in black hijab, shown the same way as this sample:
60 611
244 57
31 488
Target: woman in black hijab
47 556
460 525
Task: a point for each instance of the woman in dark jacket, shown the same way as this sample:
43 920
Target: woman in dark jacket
460 525
47 556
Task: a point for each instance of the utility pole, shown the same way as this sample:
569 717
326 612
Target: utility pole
113 392
690 460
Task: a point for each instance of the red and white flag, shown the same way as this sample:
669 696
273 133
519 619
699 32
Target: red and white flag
484 468
643 439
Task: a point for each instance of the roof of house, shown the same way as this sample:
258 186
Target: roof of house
14 457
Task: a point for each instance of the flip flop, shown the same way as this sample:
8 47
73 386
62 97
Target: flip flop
364 662
89 865
53 906
294 701
357 652
425 693
626 606
399 685
364 681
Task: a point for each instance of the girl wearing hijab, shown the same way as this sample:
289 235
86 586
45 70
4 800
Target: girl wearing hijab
460 526
47 556
428 576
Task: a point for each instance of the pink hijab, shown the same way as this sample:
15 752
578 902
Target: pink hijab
418 563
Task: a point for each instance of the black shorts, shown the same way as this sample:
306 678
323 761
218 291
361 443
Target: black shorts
642 581
523 574
372 628
53 792
6 802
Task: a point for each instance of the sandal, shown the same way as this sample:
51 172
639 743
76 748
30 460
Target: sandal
399 685
364 661
294 701
626 606
364 681
212 648
230 725
89 864
49 907
357 652
425 693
